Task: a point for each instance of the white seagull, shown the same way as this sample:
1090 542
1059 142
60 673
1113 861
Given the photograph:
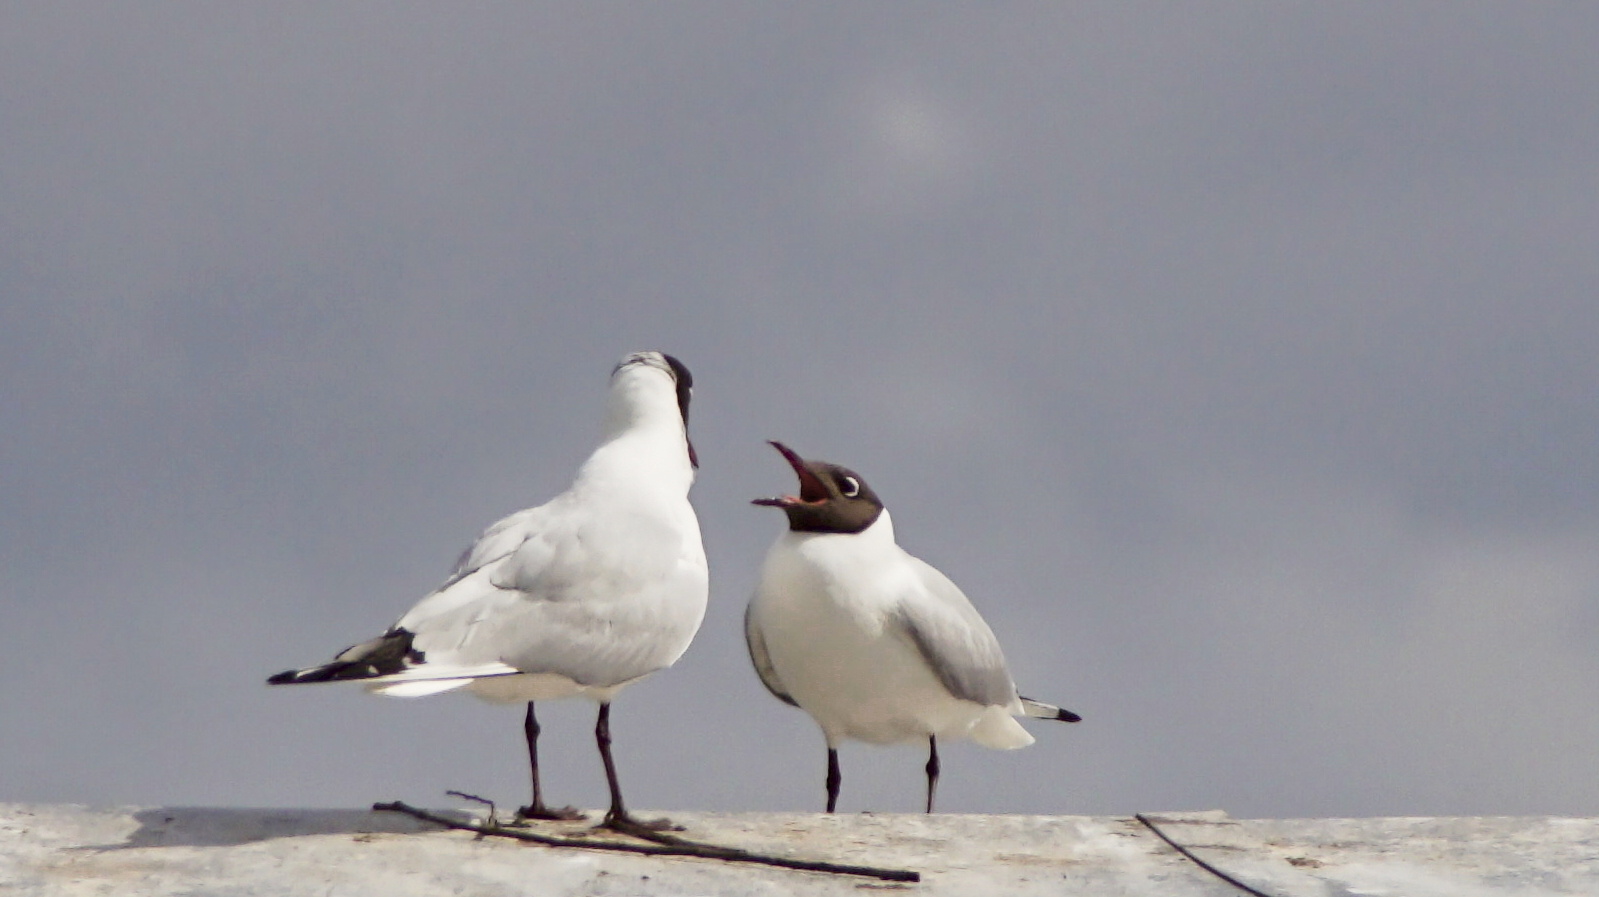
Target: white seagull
874 643
592 591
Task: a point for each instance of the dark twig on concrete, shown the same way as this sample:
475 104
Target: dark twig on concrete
678 847
494 820
1149 824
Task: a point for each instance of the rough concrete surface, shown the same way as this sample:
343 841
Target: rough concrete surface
73 850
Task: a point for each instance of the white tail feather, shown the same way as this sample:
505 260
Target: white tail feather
416 688
997 729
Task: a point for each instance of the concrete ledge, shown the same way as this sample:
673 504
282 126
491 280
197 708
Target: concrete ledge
72 850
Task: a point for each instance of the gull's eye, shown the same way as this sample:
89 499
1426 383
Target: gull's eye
849 487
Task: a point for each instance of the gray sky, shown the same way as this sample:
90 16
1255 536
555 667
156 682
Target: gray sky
1239 361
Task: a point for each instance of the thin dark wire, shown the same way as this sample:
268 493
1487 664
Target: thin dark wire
1197 861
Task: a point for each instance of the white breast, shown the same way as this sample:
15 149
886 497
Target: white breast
825 608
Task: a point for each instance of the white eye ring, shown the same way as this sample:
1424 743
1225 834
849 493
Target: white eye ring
850 488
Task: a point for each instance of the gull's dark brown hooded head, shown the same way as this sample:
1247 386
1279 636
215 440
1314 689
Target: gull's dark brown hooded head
831 499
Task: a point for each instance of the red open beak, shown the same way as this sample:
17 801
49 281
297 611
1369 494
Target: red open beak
811 490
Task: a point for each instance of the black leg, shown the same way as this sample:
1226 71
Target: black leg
530 728
932 769
538 809
833 779
602 736
618 819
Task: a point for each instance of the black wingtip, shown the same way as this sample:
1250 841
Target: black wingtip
389 653
1040 710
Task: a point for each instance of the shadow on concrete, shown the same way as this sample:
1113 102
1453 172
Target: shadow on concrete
213 827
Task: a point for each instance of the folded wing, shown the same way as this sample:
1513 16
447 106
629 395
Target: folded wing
954 640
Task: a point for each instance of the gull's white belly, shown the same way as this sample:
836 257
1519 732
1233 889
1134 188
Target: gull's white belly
525 687
859 676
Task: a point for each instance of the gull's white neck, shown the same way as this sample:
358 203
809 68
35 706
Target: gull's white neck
874 538
643 443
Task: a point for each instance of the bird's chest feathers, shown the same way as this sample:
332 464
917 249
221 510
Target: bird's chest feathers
827 584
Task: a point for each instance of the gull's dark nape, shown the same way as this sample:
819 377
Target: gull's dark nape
685 391
685 380
685 385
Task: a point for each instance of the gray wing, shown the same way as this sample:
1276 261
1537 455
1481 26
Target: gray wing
763 660
954 640
600 599
495 543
